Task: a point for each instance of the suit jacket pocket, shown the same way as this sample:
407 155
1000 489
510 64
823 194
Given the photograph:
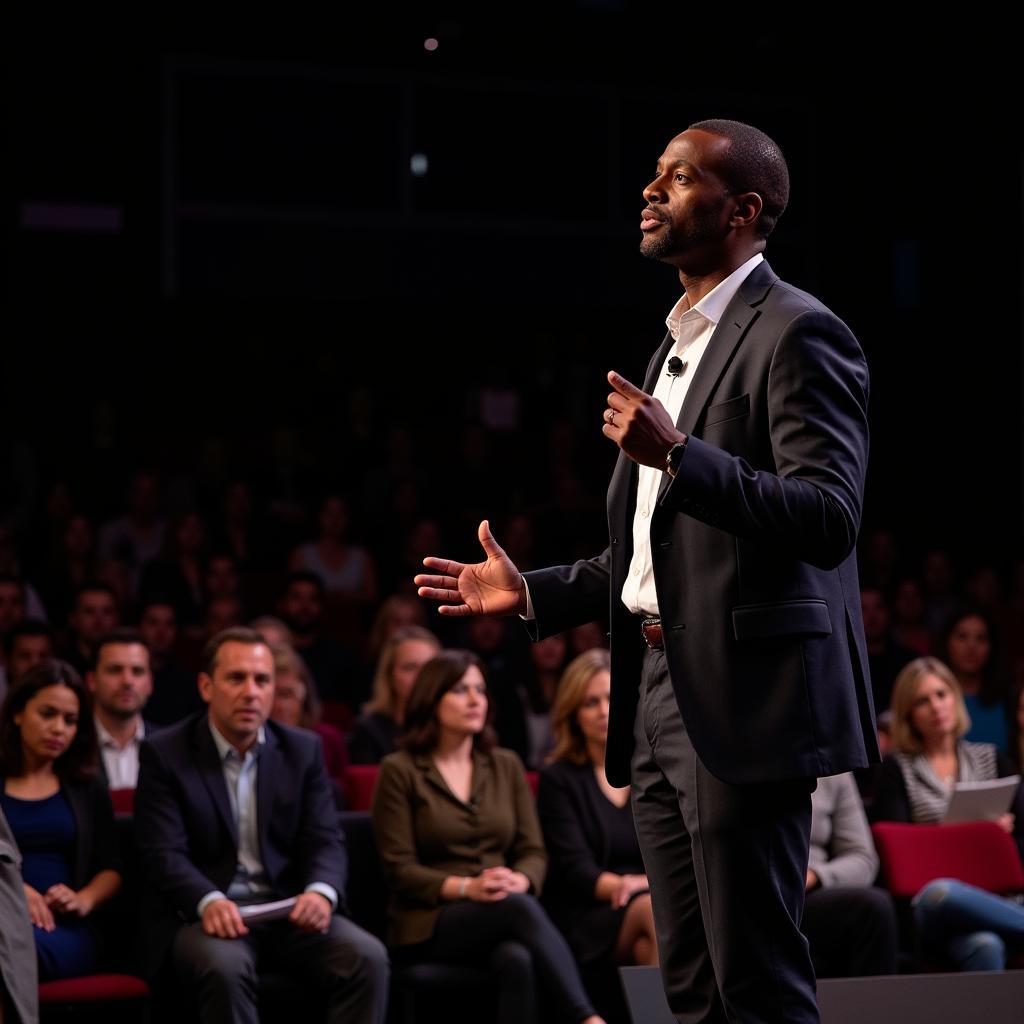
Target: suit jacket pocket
806 617
728 410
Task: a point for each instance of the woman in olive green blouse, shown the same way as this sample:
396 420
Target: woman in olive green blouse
462 851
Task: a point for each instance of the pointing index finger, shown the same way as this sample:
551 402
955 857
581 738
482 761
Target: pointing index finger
623 386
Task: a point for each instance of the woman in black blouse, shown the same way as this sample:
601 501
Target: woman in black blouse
597 891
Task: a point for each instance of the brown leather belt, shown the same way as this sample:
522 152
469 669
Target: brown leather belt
651 629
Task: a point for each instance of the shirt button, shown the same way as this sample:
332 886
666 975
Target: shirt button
644 513
636 572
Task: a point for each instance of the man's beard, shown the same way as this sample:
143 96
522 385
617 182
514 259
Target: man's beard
702 228
658 244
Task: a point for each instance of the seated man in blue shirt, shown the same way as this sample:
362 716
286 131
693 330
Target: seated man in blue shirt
232 811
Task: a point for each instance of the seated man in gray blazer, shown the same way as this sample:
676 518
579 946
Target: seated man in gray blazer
850 924
232 811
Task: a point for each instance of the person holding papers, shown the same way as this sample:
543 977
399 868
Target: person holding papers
232 812
973 929
929 719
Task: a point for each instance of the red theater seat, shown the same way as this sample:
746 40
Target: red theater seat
358 782
93 988
979 853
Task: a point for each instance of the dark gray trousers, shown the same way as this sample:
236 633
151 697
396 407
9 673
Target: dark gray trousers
727 866
348 965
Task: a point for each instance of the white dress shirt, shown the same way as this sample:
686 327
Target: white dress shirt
120 763
250 884
692 329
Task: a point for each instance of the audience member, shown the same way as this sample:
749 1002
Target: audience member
272 629
60 814
25 644
121 682
177 575
885 657
850 925
909 628
344 568
12 603
302 608
19 993
71 565
221 577
597 889
968 642
233 811
930 756
222 613
940 598
175 692
94 613
972 929
376 730
296 704
395 613
461 848
136 537
537 684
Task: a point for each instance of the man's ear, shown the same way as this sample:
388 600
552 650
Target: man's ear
90 681
205 687
748 209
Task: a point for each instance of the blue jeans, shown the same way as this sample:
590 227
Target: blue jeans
972 927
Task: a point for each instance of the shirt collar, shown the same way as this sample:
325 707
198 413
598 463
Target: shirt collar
712 306
225 749
106 740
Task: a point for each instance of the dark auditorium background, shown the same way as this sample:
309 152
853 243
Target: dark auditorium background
225 260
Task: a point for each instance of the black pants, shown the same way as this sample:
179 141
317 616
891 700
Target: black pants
727 866
516 939
852 932
348 965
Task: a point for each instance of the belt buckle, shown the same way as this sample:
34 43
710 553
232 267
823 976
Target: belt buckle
647 628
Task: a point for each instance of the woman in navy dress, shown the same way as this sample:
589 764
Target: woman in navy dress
597 890
60 814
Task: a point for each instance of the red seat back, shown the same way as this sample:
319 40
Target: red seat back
978 852
533 780
358 783
93 988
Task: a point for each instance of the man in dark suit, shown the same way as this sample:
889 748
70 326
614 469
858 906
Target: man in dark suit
121 682
234 811
738 661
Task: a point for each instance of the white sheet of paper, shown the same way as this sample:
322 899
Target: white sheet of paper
267 911
981 801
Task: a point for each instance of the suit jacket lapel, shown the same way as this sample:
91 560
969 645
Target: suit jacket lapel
267 773
739 315
211 771
622 486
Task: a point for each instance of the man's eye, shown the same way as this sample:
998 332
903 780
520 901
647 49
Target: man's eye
681 177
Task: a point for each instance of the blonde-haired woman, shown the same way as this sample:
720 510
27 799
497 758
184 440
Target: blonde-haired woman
375 731
597 891
972 928
929 755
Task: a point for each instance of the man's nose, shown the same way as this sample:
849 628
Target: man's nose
653 193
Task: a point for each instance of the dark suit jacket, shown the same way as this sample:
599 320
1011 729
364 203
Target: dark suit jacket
96 845
18 978
424 833
572 818
187 836
753 550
